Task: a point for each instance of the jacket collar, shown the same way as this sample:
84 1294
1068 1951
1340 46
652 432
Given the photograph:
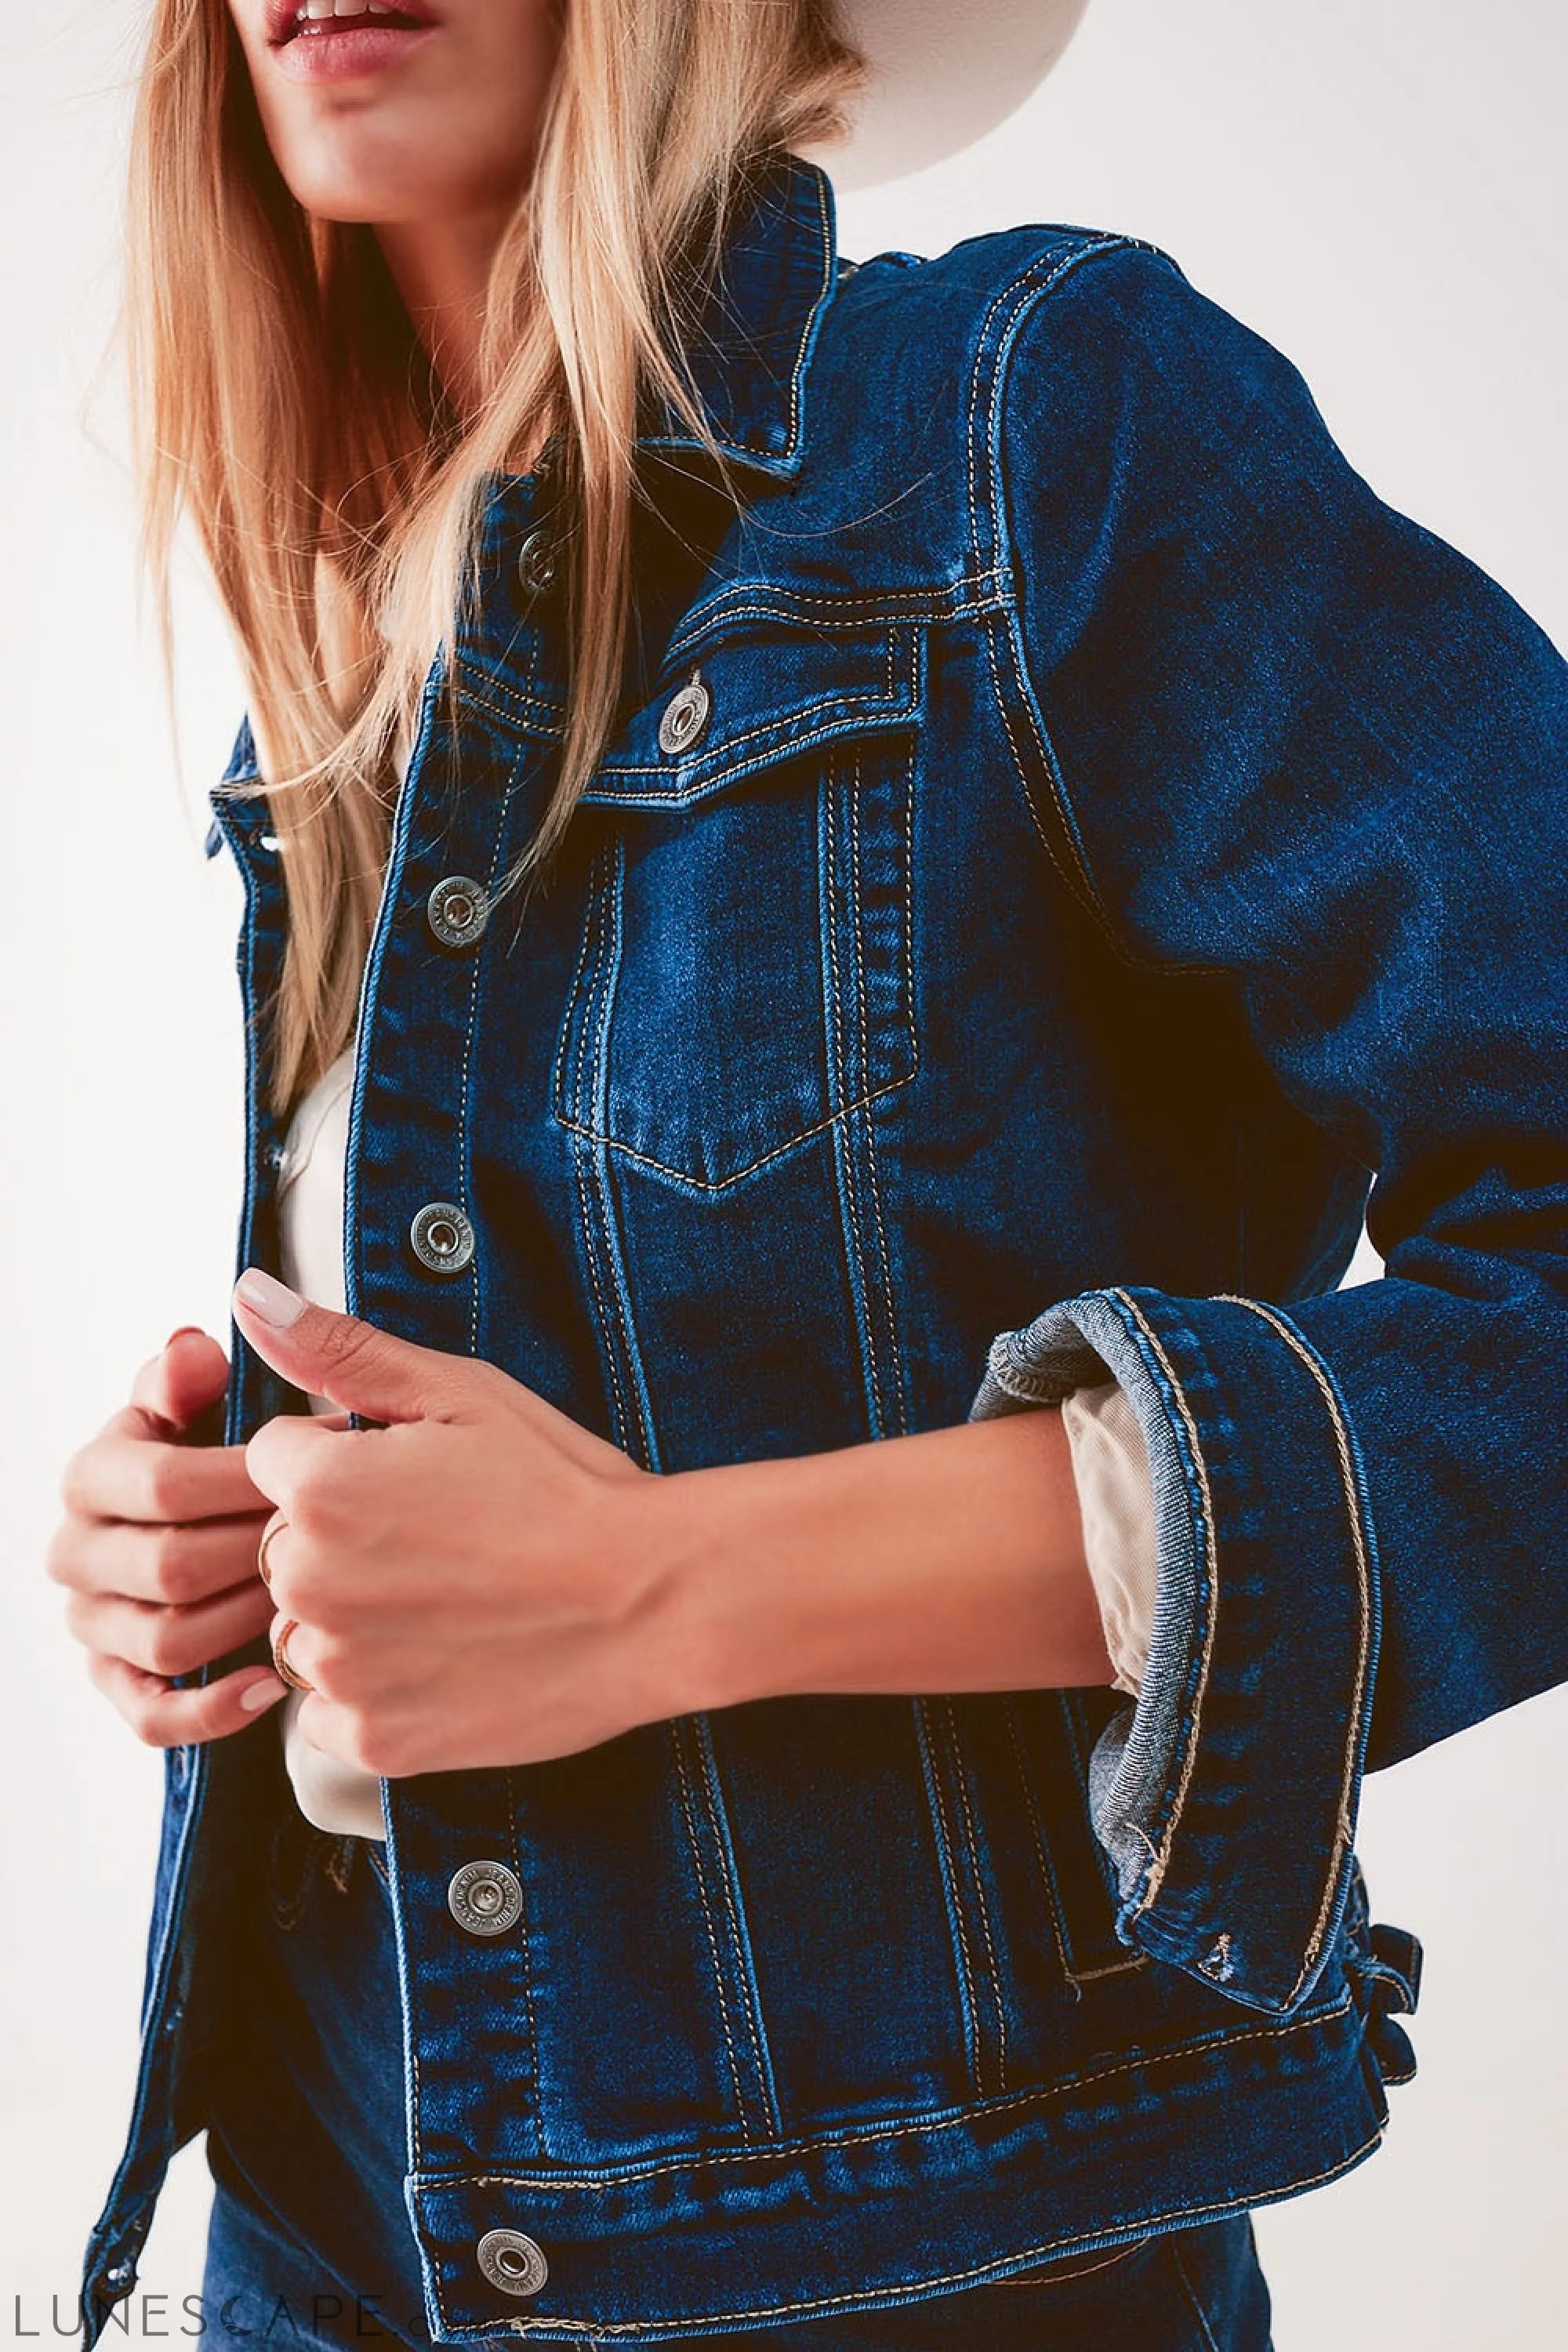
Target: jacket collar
748 347
752 337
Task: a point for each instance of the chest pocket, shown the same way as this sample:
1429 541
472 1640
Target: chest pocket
745 973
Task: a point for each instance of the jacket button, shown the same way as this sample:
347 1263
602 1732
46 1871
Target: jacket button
485 1898
511 2261
685 716
458 910
442 1237
536 565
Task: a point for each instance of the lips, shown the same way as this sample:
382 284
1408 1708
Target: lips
292 20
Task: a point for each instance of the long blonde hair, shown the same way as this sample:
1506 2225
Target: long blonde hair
281 402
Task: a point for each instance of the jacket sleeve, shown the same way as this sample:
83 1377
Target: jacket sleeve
1276 731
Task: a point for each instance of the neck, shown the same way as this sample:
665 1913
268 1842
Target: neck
442 269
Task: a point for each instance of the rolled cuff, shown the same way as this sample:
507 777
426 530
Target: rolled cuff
1225 1796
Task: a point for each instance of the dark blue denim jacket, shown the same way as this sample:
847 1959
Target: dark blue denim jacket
1105 836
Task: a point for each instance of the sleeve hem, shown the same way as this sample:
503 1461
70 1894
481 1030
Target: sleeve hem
1225 1797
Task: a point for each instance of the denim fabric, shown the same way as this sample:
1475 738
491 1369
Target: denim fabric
310 2240
1112 838
1196 2290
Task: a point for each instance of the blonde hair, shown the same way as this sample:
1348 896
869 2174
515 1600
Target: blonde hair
282 402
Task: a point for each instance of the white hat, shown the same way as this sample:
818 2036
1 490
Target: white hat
942 73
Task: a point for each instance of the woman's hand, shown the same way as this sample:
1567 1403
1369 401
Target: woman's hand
481 1581
473 1583
157 1552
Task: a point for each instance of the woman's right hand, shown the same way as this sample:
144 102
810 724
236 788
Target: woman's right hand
157 1553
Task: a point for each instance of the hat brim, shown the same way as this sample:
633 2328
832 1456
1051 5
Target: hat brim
943 72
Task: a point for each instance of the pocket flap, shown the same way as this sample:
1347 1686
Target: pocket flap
768 697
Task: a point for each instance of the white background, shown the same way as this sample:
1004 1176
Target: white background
1379 186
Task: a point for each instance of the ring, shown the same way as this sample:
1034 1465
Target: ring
290 1674
275 1526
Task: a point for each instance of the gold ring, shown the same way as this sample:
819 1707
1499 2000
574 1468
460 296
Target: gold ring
277 1639
275 1526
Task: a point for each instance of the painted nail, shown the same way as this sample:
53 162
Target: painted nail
271 1299
261 1693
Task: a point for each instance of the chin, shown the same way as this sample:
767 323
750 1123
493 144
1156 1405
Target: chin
333 184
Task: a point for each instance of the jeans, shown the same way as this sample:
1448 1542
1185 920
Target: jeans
310 2241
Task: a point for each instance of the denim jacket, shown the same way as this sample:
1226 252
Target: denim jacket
1064 842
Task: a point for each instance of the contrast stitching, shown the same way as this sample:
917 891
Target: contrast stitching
1076 885
1344 1827
616 1273
1036 1835
722 1184
827 285
590 1236
540 723
515 1845
1176 2214
1080 2270
887 698
838 704
937 1804
783 733
574 992
1226 2038
749 1996
475 993
873 1179
979 592
743 2105
982 1905
1034 294
1113 1969
1136 1959
865 1309
1074 1976
1209 1551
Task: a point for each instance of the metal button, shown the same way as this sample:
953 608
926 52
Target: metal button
536 563
685 716
511 2261
458 910
442 1237
484 1897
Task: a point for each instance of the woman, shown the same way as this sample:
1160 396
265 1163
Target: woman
849 870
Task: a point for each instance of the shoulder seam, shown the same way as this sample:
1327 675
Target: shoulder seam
1024 294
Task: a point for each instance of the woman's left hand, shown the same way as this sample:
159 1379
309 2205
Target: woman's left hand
475 1584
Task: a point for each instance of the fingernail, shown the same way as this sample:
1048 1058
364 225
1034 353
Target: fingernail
186 1330
271 1299
261 1693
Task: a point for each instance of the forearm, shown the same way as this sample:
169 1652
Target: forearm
949 1560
